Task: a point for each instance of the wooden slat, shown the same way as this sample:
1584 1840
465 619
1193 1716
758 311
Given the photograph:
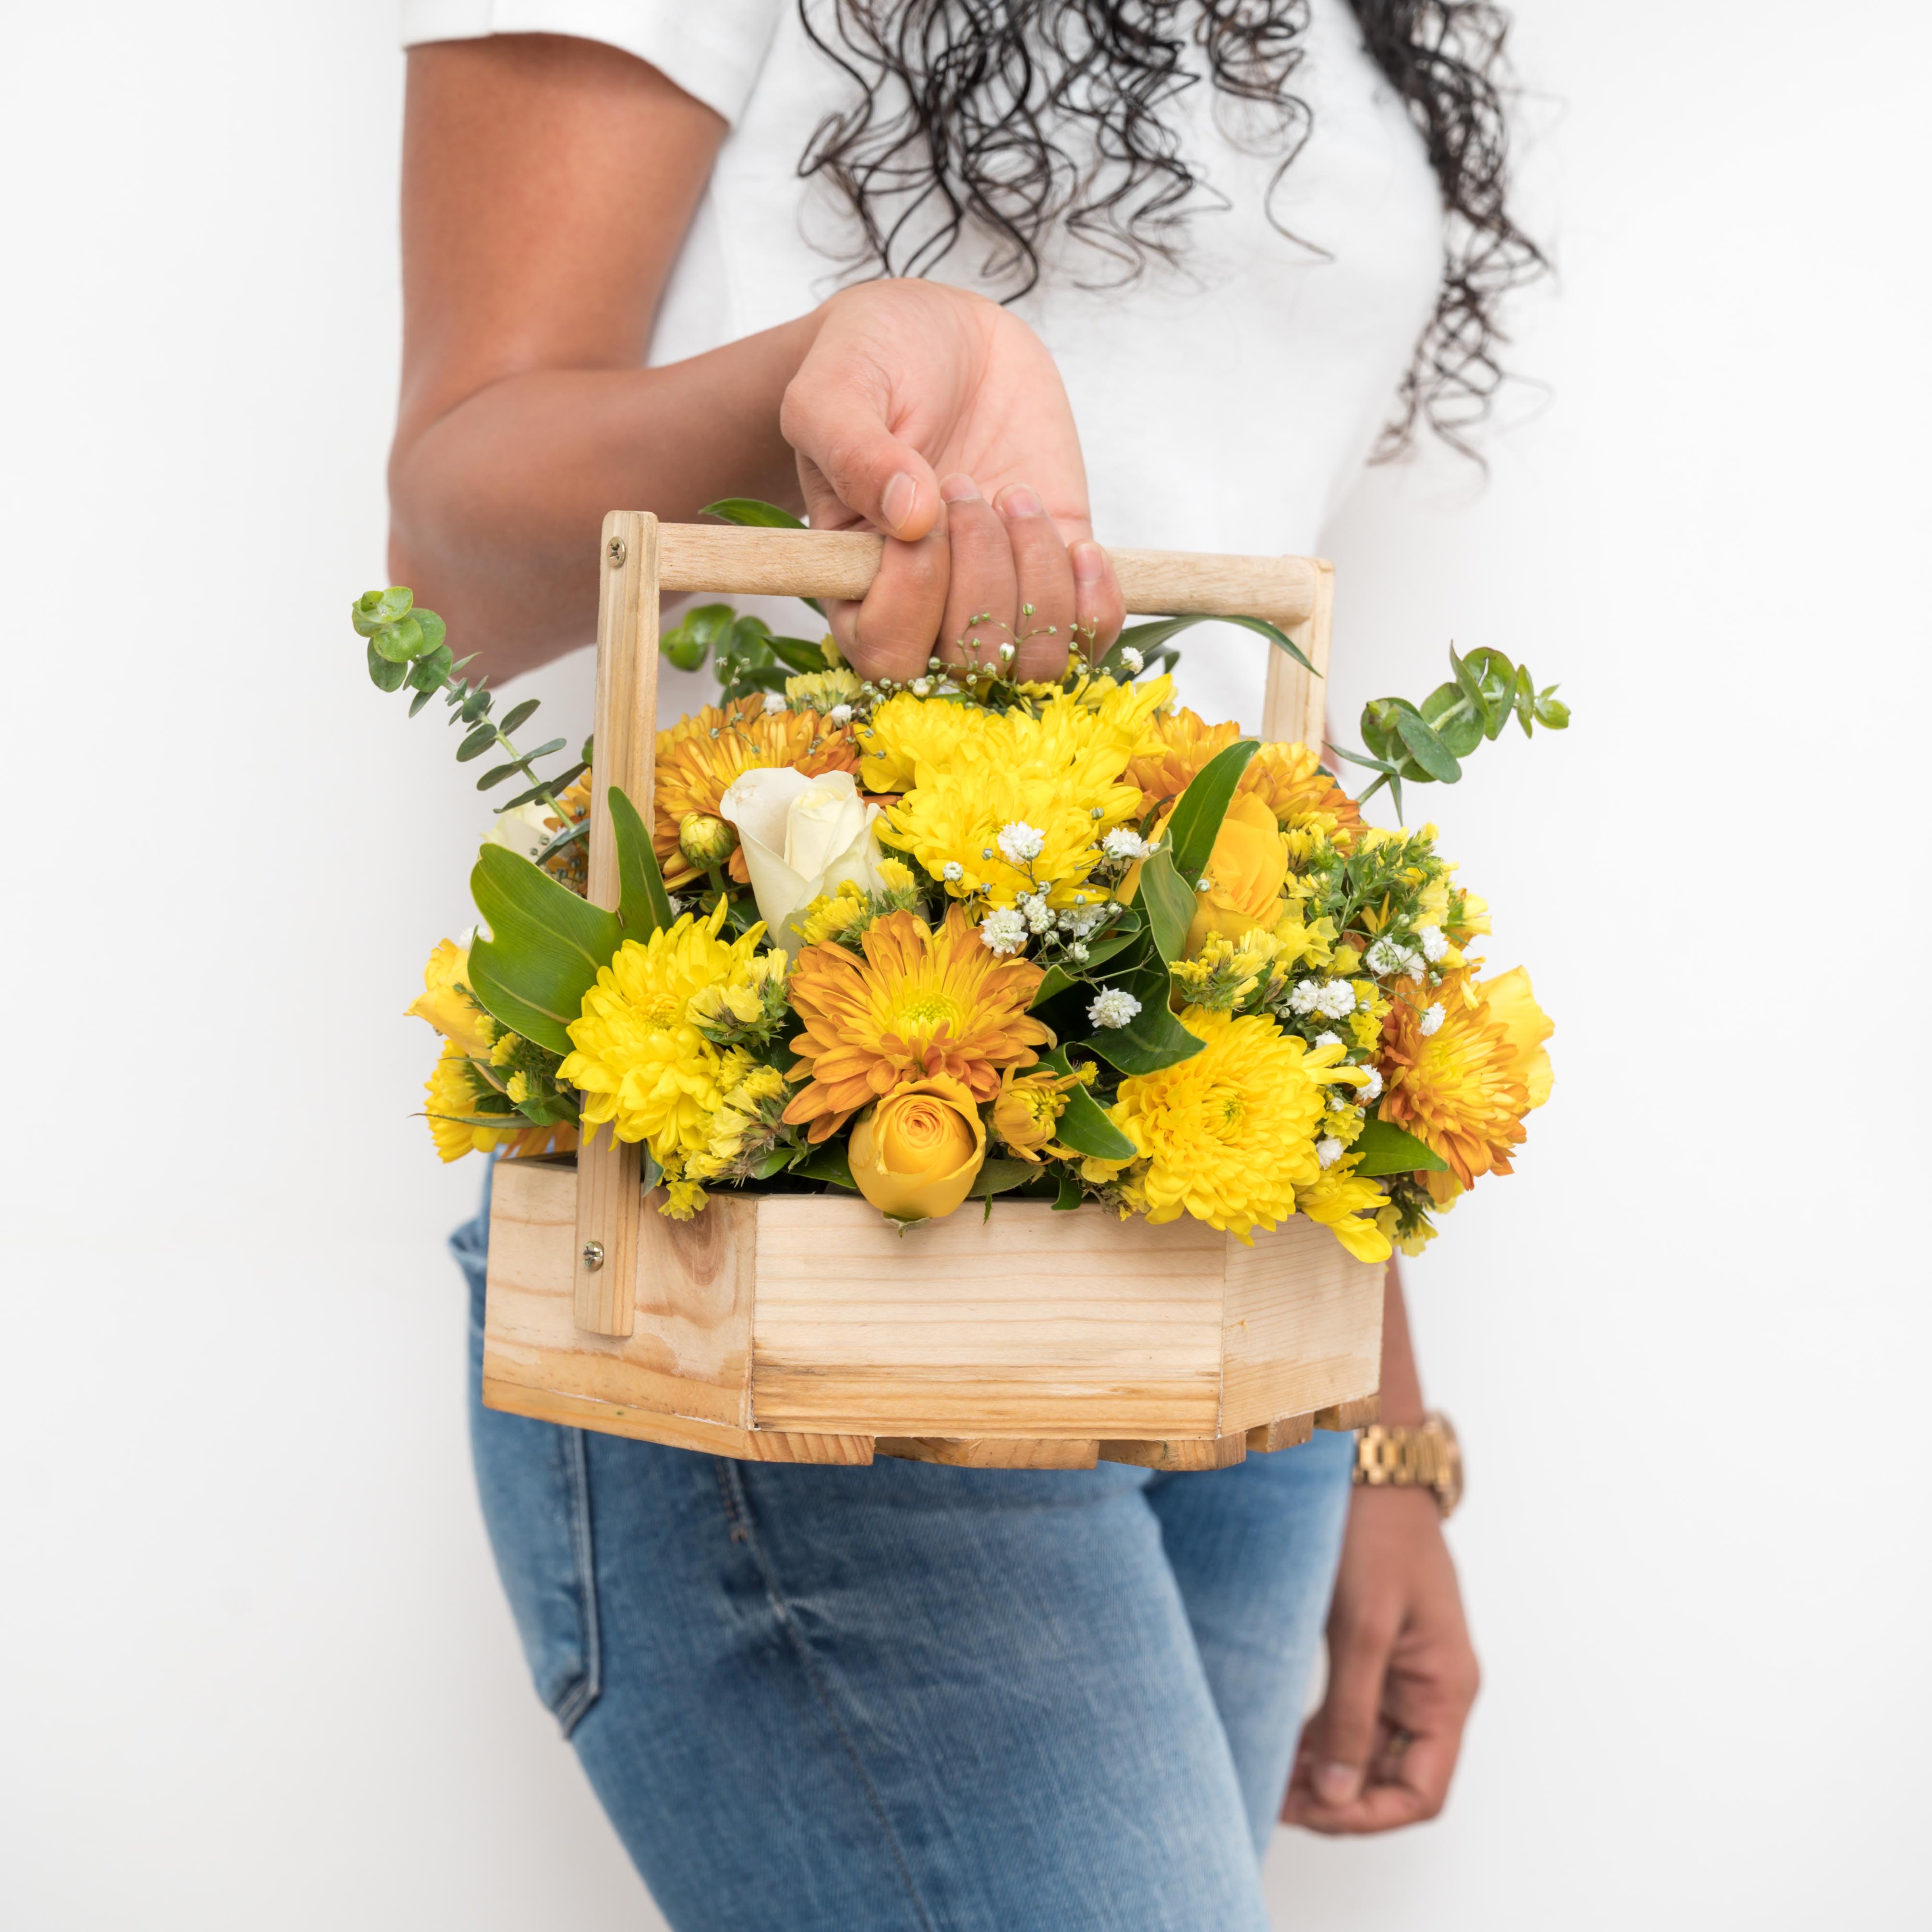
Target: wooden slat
1295 703
1182 1452
1286 1432
1357 1414
610 1171
674 1432
1031 1323
991 1452
840 563
1304 1326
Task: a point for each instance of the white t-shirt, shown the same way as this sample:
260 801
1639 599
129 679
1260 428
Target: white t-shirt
1223 404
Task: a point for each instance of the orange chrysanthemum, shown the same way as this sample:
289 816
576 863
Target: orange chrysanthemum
1288 778
920 1004
701 757
1463 1090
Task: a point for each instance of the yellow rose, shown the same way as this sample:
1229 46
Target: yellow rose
915 1154
446 1001
1508 1000
1245 876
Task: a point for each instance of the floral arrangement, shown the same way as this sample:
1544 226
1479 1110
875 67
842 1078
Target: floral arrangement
966 936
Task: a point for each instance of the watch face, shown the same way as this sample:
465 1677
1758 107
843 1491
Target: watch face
1449 1477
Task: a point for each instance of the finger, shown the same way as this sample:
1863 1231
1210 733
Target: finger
1341 1737
837 424
890 633
982 597
1098 609
1044 573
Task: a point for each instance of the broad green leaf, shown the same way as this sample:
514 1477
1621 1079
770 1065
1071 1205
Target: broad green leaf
802 657
521 714
1085 1124
1153 1038
384 675
644 906
1165 900
828 1162
1385 1148
1000 1177
750 510
1435 759
1196 823
1145 637
544 948
1058 978
776 1161
1072 1194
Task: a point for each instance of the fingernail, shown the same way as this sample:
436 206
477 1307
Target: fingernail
959 490
1337 1783
897 500
1018 501
1090 563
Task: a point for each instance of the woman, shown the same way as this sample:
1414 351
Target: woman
912 1695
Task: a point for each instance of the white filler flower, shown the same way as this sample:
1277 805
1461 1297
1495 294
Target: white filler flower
1113 1008
1431 1020
1124 842
1020 843
1004 930
1433 944
1328 1151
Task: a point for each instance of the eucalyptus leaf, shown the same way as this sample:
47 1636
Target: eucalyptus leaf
521 714
541 752
422 698
1551 711
1436 761
478 742
1386 1148
1456 720
550 786
384 675
375 608
400 641
498 773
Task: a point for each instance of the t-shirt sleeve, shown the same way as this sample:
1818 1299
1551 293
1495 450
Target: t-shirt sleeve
712 49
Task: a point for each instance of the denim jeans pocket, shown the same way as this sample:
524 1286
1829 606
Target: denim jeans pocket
533 1480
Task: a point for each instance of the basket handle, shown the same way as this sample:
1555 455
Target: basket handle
640 558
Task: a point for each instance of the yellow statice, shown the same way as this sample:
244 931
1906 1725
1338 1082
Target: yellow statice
747 1122
447 1003
640 1058
832 915
1227 973
1229 1136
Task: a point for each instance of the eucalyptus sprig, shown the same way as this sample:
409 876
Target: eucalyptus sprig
407 645
1427 743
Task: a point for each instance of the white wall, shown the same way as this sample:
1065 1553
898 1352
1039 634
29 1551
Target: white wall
257 1671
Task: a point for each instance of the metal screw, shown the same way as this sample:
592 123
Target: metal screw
617 552
593 1255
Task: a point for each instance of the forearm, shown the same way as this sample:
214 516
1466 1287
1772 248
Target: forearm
1402 1385
495 506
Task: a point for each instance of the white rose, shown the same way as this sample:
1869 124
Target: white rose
801 837
527 830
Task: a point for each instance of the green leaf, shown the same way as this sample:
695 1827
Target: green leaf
434 629
541 752
550 785
1060 976
1196 823
1551 711
687 644
1457 720
1072 1194
1428 750
828 1162
803 658
399 642
478 742
544 948
644 906
1153 1038
1386 1149
497 774
750 510
417 703
776 1161
1085 1124
428 674
521 714
476 705
382 673
1000 1177
1145 637
375 608
1165 900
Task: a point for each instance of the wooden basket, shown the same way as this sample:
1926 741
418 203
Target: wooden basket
802 1328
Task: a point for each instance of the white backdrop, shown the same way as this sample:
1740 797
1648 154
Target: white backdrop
257 1670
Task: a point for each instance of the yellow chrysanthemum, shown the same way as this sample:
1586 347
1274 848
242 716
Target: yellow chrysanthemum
906 732
920 1003
453 1091
701 757
643 1065
1339 1198
821 690
1229 1136
1462 1087
1052 788
447 1003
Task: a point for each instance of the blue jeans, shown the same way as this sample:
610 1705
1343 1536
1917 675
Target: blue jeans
909 1697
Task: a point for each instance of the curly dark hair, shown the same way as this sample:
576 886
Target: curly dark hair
989 83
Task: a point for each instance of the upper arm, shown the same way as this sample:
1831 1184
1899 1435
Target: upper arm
547 184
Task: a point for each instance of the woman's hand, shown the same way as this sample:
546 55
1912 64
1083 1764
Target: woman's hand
1402 1675
938 418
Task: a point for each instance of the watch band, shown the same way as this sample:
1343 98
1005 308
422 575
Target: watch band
1428 1458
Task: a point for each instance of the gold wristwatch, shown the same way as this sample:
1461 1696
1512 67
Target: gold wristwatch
1428 1458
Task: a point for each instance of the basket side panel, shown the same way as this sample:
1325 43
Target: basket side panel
1030 1323
689 1353
1304 1326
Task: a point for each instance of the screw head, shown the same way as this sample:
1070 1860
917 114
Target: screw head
593 1255
617 551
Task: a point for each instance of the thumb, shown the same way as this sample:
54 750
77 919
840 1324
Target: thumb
1342 1736
836 420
